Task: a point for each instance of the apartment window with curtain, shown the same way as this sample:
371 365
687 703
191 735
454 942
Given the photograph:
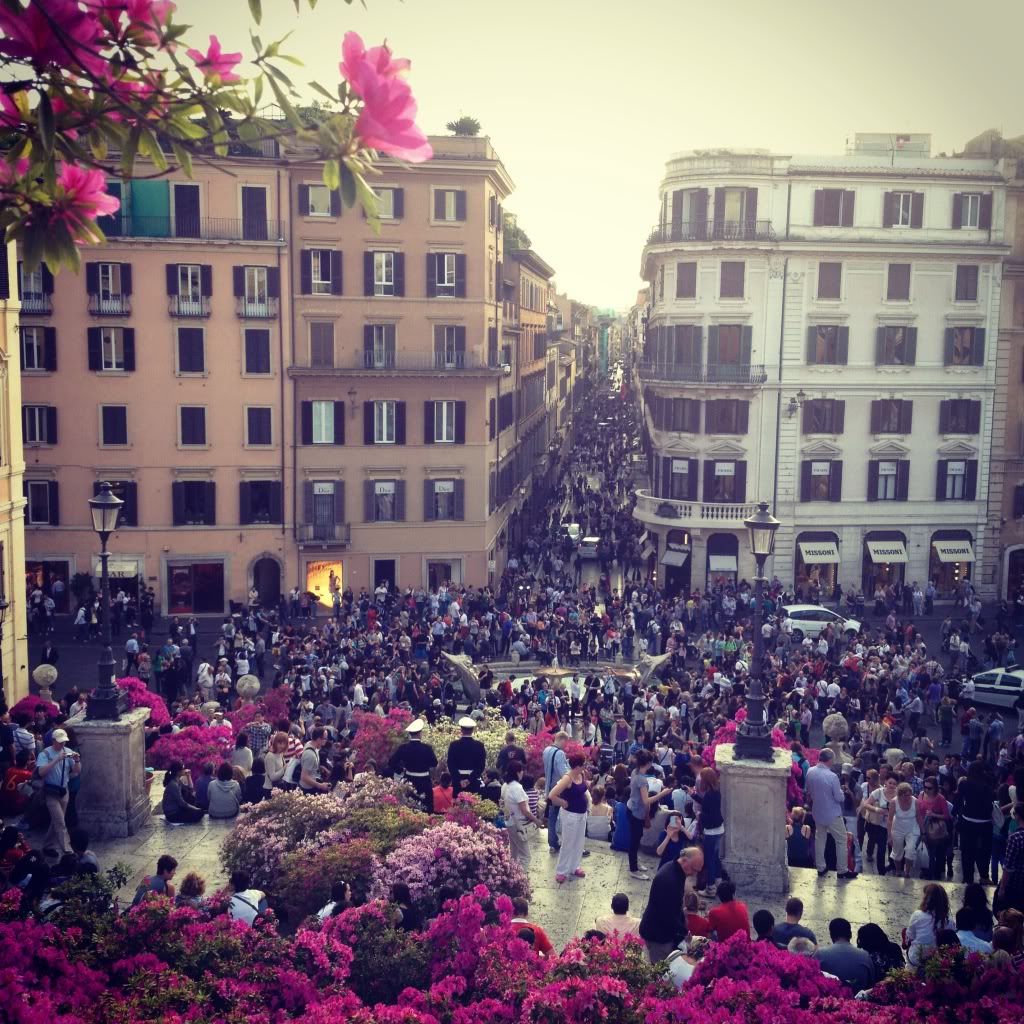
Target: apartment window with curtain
321 345
444 422
384 422
323 422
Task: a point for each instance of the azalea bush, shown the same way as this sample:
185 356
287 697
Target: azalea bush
193 746
386 826
490 730
308 873
29 705
377 738
451 856
190 717
373 791
537 743
469 810
139 695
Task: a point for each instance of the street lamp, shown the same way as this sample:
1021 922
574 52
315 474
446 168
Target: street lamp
105 703
754 735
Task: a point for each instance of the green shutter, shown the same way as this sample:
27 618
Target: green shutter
151 209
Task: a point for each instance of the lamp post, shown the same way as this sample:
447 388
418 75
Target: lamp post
754 735
105 703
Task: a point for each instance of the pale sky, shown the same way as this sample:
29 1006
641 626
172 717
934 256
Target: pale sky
584 100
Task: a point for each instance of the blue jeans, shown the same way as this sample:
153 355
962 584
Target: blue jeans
712 865
553 827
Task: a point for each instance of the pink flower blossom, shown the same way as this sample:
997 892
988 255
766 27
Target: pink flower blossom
53 32
81 198
215 63
359 64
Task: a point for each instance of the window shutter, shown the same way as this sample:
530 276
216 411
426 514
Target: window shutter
336 278
367 422
399 272
906 416
971 481
460 205
335 203
978 347
308 501
428 422
47 276
428 501
847 217
49 346
306 271
746 344
367 273
750 208
805 417
710 416
902 480
835 481
130 510
339 423
369 505
947 348
741 483
129 349
339 501
805 480
838 416
985 211
306 422
974 417
888 209
92 278
742 417
400 501
910 346
879 345
958 205
677 214
819 206
713 345
431 275
691 479
95 346
941 469
873 480
843 345
492 419
699 205
399 422
876 417
244 502
460 500
692 418
917 209
273 282
439 204
210 503
54 488
709 479
51 424
944 417
460 340
719 208
460 422
238 281
460 275
206 280
398 203
172 278
666 476
303 200
812 344
178 503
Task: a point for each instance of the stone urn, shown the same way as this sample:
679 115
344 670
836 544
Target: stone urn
837 732
44 676
248 686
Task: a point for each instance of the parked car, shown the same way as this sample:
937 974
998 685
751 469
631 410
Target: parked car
811 619
572 530
998 686
588 547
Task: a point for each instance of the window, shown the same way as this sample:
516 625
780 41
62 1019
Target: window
321 271
193 425
828 345
966 283
888 479
689 213
193 503
956 479
259 501
833 207
724 479
902 203
965 346
821 480
379 346
112 348
444 422
384 422
824 416
256 291
959 416
113 425
384 501
896 346
661 282
33 348
686 280
970 210
190 285
1018 502
449 345
506 411
445 279
830 280
732 279
128 492
384 273
319 201
956 474
387 207
680 484
730 348
257 350
191 357
726 416
41 509
109 281
257 425
31 282
323 422
321 345
39 424
902 209
442 504
898 287
887 472
449 204
891 416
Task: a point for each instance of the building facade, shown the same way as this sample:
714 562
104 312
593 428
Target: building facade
821 336
14 667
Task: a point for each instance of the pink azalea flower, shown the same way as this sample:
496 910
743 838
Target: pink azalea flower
359 64
387 121
216 64
83 197
32 35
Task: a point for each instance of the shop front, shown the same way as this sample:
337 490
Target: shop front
1014 573
884 560
817 565
125 574
195 588
722 560
443 570
675 560
52 577
323 577
951 557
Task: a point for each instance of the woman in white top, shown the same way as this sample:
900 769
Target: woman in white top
877 814
599 815
275 759
904 830
919 937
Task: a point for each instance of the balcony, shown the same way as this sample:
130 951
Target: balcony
249 310
110 305
742 374
324 535
37 303
714 231
469 363
179 305
510 315
668 512
214 229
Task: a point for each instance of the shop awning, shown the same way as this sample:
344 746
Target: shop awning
721 563
819 552
954 550
644 538
675 558
120 566
647 550
884 552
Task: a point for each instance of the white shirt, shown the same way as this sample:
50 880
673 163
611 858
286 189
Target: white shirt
512 795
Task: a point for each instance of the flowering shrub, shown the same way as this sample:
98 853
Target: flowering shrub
374 790
141 696
469 810
538 742
451 856
28 706
307 874
377 738
193 746
727 734
386 826
186 718
490 730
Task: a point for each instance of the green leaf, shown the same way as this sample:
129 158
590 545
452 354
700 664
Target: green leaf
323 92
368 201
47 129
183 156
130 151
256 10
149 146
348 186
332 174
285 104
98 144
279 75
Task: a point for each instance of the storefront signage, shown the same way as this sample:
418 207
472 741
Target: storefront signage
954 550
680 466
883 552
819 552
821 468
725 469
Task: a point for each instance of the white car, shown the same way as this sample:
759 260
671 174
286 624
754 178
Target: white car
573 531
588 547
998 686
811 619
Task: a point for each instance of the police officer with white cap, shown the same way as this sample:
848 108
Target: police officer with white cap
467 758
414 759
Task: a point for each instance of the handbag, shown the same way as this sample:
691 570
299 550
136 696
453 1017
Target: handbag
935 829
921 856
998 817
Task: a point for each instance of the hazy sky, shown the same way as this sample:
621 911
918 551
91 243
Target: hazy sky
585 99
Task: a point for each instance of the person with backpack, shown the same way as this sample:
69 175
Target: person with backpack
308 773
160 883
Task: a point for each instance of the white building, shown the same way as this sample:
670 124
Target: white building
821 336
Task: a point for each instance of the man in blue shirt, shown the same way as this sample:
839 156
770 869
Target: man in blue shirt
56 765
825 797
556 764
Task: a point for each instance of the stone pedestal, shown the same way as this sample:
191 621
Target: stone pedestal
112 802
754 806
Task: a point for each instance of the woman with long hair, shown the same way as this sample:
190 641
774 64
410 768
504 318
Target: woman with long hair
920 935
708 797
